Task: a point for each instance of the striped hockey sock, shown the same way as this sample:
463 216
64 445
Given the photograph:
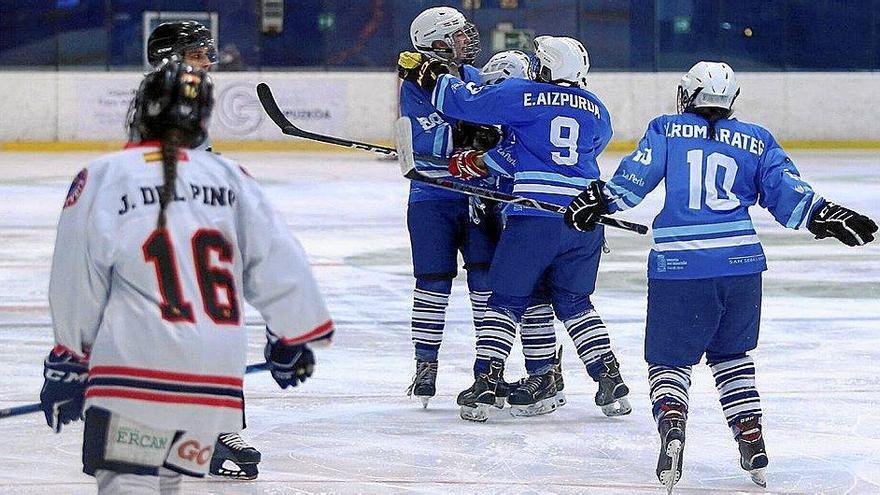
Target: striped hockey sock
668 384
735 381
428 320
494 339
538 339
479 304
591 339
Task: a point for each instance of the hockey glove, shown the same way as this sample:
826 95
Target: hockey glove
585 209
407 62
467 165
425 74
845 225
477 136
64 388
289 364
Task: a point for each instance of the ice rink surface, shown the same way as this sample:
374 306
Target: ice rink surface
351 429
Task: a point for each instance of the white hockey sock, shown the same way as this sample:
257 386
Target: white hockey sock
113 483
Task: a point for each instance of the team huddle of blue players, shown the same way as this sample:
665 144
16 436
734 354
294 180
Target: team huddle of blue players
527 126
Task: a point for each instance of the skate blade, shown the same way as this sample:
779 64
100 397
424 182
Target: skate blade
545 406
759 477
233 471
620 407
478 413
560 399
670 477
424 400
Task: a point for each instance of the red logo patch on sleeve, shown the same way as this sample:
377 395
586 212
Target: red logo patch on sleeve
76 188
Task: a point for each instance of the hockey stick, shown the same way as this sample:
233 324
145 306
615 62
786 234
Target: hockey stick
32 408
406 159
287 127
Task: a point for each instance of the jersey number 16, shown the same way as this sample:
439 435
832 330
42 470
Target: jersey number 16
174 307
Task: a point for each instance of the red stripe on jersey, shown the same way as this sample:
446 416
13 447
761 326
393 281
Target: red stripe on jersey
317 333
166 375
160 397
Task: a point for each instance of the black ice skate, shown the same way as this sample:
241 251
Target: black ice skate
671 426
424 381
557 376
476 400
753 457
233 458
536 395
612 393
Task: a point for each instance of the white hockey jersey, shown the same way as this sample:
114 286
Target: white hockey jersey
159 312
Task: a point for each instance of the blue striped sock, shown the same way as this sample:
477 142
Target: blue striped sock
735 381
668 384
538 339
428 321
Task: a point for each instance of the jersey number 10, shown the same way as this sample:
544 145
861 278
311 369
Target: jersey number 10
174 307
696 182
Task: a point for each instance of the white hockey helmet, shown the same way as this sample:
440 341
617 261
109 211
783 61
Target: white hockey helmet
559 59
708 84
502 65
444 33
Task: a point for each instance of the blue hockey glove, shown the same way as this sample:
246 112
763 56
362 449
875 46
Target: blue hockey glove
585 209
832 220
289 364
64 388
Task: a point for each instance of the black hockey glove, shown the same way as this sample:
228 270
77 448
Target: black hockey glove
64 388
845 225
420 70
585 209
289 364
476 136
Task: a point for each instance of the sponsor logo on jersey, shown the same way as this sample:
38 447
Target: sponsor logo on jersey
430 121
133 436
193 451
76 188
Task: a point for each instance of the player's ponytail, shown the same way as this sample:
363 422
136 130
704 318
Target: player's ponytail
712 115
170 148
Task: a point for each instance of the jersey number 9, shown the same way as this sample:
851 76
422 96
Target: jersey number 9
564 133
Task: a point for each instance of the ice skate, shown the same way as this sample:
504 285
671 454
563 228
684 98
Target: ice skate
476 400
557 376
424 382
233 458
612 393
753 456
671 426
535 396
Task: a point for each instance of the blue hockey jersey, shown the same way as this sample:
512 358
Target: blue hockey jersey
431 135
704 229
557 132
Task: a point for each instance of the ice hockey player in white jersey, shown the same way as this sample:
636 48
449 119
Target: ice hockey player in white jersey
192 43
156 247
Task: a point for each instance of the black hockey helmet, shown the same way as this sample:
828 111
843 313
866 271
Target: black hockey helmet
173 102
176 38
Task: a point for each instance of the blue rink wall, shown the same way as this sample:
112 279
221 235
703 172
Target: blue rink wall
86 110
